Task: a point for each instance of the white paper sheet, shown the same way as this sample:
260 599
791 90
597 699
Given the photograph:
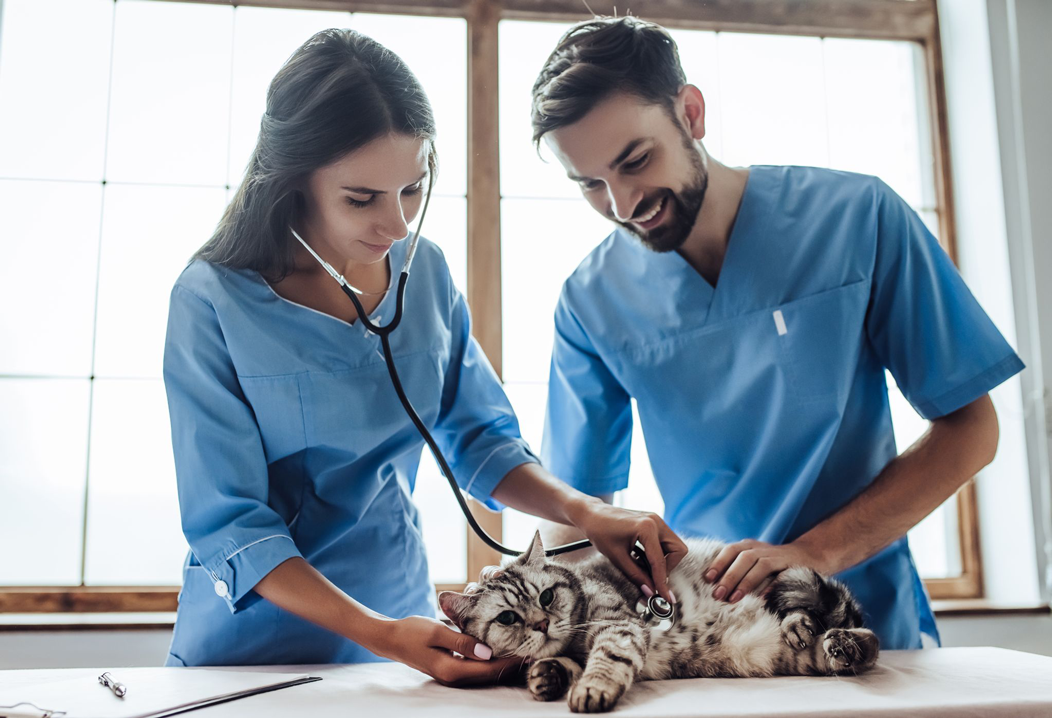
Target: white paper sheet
947 682
151 691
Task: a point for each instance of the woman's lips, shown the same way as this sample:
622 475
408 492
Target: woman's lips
378 248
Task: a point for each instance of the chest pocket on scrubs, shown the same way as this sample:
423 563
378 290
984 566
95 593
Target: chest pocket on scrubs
277 402
821 336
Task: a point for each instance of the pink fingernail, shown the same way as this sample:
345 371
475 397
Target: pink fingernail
735 596
672 596
710 575
647 591
720 592
483 651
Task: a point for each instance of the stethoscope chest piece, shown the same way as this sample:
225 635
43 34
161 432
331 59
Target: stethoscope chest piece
658 613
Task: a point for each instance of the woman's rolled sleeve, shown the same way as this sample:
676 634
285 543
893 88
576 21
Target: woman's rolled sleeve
220 465
477 428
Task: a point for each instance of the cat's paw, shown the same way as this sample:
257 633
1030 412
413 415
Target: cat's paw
548 679
850 649
595 694
798 630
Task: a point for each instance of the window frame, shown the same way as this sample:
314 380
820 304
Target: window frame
905 20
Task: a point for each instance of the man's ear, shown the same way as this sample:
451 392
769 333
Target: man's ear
691 111
456 605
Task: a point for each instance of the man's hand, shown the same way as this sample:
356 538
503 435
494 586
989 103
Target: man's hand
428 645
743 567
614 532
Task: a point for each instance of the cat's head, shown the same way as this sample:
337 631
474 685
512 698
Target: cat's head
530 607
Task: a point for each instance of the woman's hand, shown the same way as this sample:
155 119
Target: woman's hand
614 532
428 645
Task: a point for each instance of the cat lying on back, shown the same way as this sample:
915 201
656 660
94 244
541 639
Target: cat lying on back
579 626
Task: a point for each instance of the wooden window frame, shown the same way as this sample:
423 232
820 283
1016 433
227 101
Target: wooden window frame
907 20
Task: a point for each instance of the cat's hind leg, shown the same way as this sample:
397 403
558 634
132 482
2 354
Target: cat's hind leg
848 650
550 678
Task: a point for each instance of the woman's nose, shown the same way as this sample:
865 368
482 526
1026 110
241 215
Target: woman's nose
393 225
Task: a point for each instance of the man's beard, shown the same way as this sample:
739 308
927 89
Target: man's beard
683 207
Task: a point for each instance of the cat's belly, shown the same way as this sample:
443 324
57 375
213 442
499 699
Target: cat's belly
712 638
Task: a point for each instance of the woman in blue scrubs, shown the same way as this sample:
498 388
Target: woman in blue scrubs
295 461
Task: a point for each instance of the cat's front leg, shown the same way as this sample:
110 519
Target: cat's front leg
617 656
798 630
550 678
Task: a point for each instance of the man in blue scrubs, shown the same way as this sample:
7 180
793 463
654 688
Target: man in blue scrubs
751 313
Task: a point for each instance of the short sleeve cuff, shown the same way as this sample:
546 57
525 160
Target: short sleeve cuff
494 468
971 390
597 487
236 573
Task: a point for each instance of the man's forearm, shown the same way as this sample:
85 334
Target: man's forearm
909 488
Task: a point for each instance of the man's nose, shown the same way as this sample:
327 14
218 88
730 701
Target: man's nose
623 202
541 626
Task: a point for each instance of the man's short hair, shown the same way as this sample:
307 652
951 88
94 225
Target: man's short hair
599 57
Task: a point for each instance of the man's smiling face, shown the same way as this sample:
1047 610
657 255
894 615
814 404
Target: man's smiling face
637 166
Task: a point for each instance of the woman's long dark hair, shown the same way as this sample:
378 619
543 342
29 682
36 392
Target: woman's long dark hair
337 92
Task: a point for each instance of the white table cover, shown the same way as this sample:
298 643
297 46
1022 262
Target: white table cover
958 682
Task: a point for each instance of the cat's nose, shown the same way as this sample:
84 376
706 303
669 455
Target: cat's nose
541 626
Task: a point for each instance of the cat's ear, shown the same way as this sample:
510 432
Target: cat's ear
535 555
456 605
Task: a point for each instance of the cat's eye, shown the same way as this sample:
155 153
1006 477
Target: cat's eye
547 596
507 618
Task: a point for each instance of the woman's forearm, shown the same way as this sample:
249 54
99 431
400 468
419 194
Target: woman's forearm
531 489
299 588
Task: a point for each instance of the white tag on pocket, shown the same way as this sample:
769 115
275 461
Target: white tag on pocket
779 321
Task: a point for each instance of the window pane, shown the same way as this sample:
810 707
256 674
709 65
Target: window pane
445 529
871 91
542 242
446 225
264 38
134 537
169 109
148 236
435 49
47 325
54 67
523 48
43 452
772 100
528 399
934 541
699 55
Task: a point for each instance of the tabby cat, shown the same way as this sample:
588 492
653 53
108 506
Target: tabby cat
577 623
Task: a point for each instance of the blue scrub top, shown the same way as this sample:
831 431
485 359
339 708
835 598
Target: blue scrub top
763 400
290 441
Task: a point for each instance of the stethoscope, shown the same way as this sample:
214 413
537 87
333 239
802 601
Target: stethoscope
654 607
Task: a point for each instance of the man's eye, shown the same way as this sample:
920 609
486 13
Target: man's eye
638 163
360 203
507 618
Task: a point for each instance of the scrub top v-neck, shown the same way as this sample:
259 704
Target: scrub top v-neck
290 441
763 401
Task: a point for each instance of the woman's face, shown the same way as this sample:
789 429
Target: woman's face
362 203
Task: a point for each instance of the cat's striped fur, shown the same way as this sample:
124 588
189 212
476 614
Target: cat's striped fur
585 638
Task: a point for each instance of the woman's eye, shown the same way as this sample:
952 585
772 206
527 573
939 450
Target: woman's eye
636 164
507 618
589 185
360 203
413 190
547 596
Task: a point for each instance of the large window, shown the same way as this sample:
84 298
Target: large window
122 136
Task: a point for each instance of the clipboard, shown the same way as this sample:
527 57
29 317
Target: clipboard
152 692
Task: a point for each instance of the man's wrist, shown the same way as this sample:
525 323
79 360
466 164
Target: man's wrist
822 557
